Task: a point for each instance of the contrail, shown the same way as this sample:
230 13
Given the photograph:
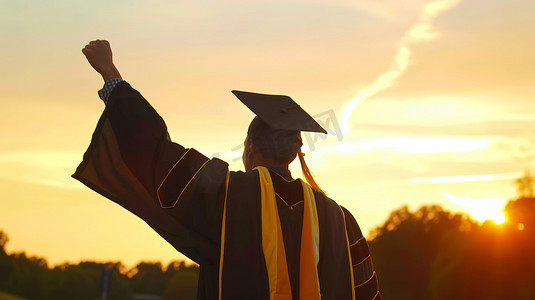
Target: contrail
421 31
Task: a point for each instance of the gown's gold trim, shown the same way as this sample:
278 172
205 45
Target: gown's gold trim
282 176
223 223
193 177
356 242
349 256
367 280
165 178
375 295
287 202
186 186
366 258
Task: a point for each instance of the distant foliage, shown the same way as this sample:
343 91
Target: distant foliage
7 266
405 247
148 278
32 278
181 283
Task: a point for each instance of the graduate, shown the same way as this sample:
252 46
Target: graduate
259 234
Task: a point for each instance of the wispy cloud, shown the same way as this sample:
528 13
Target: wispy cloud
418 145
421 31
468 178
40 166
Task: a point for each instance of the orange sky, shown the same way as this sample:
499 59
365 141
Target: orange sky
446 114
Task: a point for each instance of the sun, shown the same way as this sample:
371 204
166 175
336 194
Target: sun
499 218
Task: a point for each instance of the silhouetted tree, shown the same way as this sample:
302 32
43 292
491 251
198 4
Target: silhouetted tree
120 284
525 185
68 282
148 278
7 266
27 274
183 284
405 249
520 213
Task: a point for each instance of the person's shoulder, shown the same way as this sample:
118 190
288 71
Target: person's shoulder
353 228
329 202
329 209
214 167
326 201
332 206
244 177
217 163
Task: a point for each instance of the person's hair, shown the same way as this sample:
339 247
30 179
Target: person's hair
280 146
276 145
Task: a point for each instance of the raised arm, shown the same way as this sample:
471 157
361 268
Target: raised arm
100 57
132 161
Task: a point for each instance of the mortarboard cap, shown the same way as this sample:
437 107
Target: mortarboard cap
279 112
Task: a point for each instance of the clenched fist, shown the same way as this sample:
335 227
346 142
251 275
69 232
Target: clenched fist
99 55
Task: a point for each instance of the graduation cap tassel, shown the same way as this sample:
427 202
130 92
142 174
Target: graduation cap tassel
307 174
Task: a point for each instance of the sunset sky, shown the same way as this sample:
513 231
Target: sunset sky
427 102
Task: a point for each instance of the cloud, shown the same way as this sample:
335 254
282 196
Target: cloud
418 145
520 147
385 9
40 166
422 30
468 178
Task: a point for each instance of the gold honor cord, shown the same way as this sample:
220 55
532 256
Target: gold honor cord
353 296
273 244
309 287
272 241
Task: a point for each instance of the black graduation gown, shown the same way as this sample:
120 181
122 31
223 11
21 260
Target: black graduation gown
185 197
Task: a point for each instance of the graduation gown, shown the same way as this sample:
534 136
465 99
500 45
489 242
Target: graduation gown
212 215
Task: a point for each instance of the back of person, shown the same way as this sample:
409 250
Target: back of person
258 234
245 266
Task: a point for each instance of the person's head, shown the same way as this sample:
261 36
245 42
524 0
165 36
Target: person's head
274 135
266 147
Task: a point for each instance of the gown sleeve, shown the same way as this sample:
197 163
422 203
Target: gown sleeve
177 191
365 278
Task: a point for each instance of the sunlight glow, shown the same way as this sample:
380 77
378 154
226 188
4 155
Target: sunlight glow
480 209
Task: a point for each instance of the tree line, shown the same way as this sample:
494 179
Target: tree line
32 278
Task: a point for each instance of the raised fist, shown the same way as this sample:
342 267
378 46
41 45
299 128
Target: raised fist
99 55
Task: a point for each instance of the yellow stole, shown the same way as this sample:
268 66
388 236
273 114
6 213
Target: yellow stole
273 244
